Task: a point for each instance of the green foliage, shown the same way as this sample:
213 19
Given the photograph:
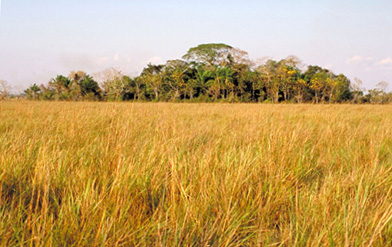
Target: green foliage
214 72
152 77
119 88
89 88
33 91
209 54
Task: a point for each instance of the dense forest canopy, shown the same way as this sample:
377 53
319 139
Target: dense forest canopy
214 73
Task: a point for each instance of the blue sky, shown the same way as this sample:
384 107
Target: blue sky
40 39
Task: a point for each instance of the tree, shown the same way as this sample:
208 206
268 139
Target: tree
379 95
116 86
209 54
62 87
4 90
242 77
299 88
153 78
89 88
342 90
288 73
356 89
33 91
222 82
382 86
203 78
47 92
176 72
177 83
269 74
138 86
256 86
316 84
77 76
287 76
226 76
331 86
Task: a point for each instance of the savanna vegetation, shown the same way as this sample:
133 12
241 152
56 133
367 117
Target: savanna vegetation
214 73
165 174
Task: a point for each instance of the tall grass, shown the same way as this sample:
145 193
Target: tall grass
121 174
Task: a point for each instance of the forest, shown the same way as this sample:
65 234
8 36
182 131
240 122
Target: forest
214 73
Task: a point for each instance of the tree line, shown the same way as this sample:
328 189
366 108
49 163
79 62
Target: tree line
214 73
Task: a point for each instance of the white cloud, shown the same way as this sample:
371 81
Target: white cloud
101 60
381 66
385 61
93 64
359 59
354 59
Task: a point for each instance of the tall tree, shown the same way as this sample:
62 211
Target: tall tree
203 79
33 91
116 86
62 86
356 90
89 88
175 77
152 76
317 84
269 74
299 88
288 73
227 79
209 54
342 90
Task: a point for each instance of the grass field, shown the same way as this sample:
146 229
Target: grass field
159 174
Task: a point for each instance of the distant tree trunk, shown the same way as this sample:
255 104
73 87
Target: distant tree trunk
137 92
177 94
299 98
276 97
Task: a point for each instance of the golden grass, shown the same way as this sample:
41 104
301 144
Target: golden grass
122 174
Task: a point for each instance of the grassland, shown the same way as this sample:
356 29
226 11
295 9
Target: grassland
122 174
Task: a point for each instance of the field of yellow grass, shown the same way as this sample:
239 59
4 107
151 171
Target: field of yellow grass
160 174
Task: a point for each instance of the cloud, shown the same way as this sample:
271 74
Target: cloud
381 67
93 63
354 59
358 59
101 60
385 61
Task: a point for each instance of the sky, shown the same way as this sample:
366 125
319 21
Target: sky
40 39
